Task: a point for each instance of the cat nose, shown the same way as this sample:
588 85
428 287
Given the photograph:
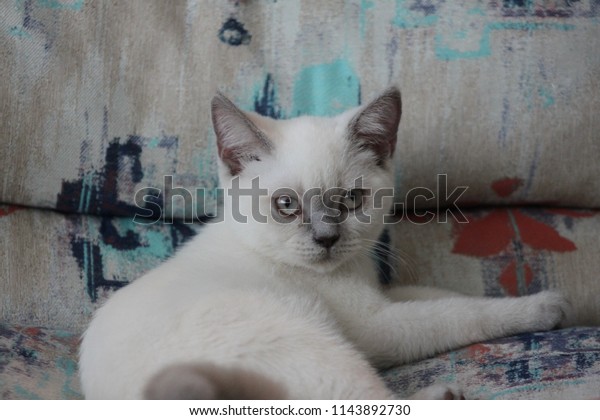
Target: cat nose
326 241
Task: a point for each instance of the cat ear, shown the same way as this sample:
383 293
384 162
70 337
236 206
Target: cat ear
239 140
375 126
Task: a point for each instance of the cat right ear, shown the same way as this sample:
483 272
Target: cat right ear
239 140
375 128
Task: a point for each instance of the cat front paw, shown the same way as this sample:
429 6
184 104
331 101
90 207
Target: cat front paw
439 392
547 310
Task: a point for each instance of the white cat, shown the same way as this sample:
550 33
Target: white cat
288 304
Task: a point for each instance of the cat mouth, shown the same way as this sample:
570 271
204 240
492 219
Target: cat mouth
324 257
325 260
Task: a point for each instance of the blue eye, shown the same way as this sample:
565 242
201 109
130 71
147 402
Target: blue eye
287 205
353 198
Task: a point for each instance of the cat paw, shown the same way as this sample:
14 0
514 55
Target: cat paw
439 392
547 310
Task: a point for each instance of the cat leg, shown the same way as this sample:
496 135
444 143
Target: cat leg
410 293
402 332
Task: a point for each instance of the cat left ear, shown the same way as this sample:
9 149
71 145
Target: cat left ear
239 140
375 127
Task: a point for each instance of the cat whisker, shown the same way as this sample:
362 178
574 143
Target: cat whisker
394 251
398 256
370 252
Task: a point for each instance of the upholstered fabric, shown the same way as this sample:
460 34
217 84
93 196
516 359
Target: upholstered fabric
102 98
106 103
561 364
38 363
504 251
58 268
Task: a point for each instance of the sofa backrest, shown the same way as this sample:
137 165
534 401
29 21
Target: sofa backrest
102 99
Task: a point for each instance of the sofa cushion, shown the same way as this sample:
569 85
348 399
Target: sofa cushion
39 363
503 251
561 364
58 268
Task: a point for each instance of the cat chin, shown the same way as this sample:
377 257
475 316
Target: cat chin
324 264
325 268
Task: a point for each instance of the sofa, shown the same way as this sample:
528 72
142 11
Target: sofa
498 160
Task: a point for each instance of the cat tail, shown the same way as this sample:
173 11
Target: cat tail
210 382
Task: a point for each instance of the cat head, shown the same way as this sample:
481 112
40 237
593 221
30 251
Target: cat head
308 191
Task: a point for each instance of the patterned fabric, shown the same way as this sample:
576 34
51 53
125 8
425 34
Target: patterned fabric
108 252
37 363
558 364
40 363
102 99
105 115
58 268
80 260
504 251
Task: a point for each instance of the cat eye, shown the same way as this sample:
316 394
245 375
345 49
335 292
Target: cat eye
287 205
353 198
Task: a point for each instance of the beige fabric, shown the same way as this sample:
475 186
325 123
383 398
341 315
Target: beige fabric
46 281
41 284
57 269
430 255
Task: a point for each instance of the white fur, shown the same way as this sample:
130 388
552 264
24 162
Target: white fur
259 296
